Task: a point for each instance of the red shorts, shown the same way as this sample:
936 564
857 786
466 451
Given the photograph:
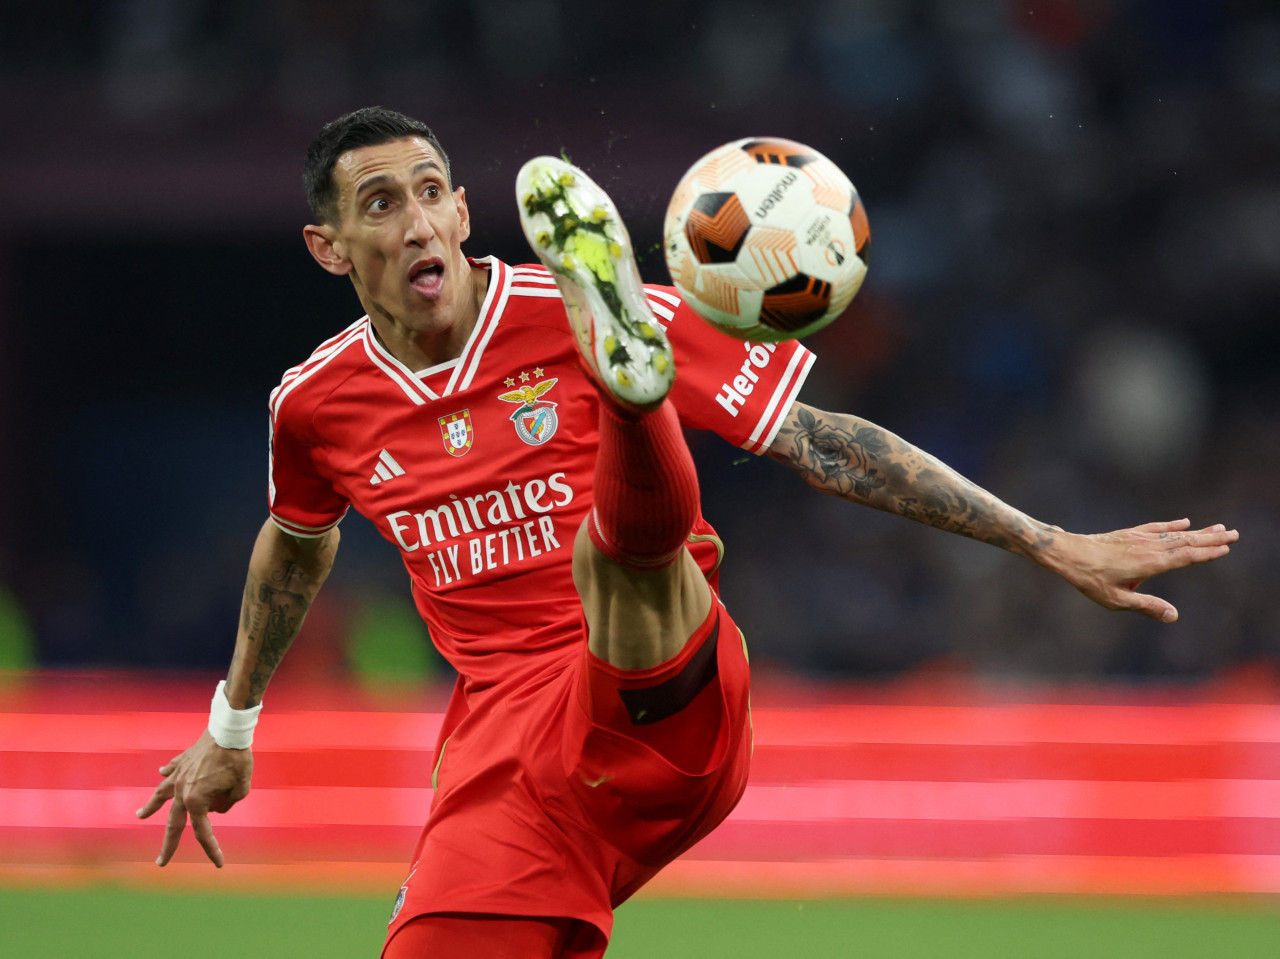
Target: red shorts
565 798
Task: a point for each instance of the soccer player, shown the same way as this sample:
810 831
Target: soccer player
533 474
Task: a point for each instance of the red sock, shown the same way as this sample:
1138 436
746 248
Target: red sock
646 488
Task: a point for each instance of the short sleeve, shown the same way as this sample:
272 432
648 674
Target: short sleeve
740 390
302 502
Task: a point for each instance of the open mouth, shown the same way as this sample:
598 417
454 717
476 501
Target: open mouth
426 277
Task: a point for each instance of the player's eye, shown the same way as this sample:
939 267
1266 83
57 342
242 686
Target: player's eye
432 191
379 204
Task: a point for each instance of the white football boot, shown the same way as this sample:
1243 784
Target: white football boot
577 233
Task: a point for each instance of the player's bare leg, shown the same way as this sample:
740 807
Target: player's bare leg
642 593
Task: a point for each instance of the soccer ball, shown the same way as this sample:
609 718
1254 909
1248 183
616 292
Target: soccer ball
766 239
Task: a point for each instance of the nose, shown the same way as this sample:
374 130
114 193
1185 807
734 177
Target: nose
418 229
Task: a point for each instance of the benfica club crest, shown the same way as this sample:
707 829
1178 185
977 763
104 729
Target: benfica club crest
457 432
535 420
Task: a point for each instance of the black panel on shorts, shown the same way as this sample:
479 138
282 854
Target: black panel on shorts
655 703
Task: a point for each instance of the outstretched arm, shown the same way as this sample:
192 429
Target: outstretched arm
842 455
285 574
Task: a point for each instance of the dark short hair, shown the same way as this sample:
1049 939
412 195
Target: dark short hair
366 127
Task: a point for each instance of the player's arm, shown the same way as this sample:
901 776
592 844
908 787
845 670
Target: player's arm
285 574
859 461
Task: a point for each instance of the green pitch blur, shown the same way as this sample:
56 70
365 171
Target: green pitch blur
128 924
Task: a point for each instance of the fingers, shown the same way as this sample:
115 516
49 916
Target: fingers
1172 526
198 781
1179 533
1175 546
1110 567
163 793
203 829
1212 536
1151 606
1190 555
172 831
1182 547
1201 546
1156 608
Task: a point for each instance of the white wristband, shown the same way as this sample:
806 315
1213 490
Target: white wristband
231 728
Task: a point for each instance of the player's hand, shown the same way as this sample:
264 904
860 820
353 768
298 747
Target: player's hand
205 778
1109 567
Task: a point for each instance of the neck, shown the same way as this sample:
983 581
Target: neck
423 349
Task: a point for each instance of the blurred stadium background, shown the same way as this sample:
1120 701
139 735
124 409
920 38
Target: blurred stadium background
1073 298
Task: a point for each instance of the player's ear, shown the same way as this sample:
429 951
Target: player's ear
326 246
464 215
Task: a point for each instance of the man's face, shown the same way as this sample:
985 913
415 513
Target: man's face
400 233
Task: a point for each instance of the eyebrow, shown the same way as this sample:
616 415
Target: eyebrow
384 178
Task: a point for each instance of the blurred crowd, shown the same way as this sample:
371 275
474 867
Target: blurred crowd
1073 295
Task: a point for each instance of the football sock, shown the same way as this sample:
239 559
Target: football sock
646 488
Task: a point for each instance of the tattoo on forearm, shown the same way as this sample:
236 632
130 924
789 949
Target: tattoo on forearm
271 618
859 461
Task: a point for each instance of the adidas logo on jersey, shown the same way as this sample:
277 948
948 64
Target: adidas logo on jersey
387 469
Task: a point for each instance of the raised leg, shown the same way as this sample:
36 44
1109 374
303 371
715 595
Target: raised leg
642 593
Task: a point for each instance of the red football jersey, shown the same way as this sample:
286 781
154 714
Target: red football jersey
480 470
